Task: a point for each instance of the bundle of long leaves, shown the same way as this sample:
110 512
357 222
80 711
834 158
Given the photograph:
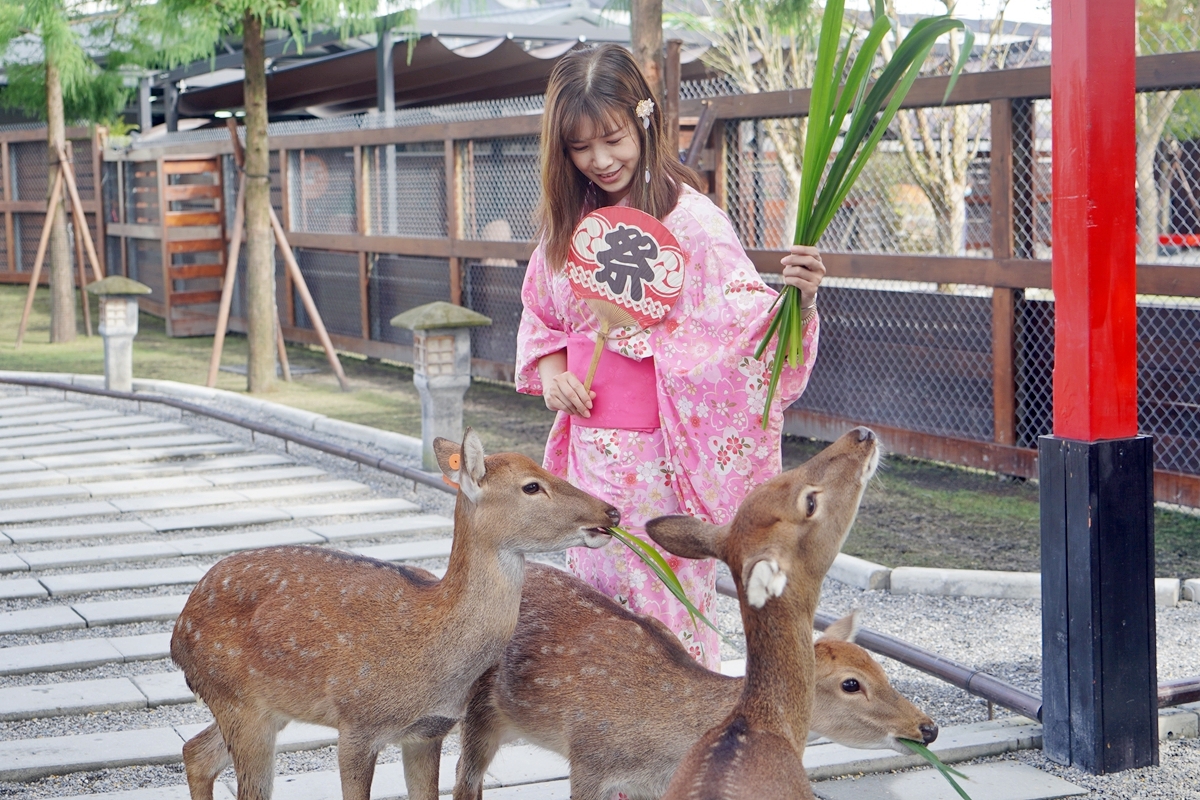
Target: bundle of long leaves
870 107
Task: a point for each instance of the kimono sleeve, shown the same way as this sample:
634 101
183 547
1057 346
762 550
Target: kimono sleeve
542 330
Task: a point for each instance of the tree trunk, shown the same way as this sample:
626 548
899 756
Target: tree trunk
645 29
62 279
260 245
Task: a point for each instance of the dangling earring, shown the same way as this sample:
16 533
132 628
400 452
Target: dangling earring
643 111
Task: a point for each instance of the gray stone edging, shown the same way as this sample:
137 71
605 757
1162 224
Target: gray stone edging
307 420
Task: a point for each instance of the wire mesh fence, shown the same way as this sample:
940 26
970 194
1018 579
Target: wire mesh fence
501 188
406 189
399 283
321 195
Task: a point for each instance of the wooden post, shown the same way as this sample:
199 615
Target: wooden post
83 281
671 93
9 240
80 216
310 305
51 208
454 219
231 262
1004 299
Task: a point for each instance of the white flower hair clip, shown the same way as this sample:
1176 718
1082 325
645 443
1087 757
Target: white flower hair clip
644 109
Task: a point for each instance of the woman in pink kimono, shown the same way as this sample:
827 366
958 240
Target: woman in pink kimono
686 437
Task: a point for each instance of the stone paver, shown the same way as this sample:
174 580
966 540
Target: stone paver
56 417
145 647
119 612
527 764
12 412
17 431
18 467
227 518
953 744
264 475
140 455
39 513
213 497
291 490
119 430
220 792
36 494
30 759
416 523
1003 781
145 485
21 588
406 551
213 545
19 400
84 582
9 562
50 533
90 424
71 697
42 477
164 688
162 470
296 736
40 620
106 554
351 507
44 450
55 656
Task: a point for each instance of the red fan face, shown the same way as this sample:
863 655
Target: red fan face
627 258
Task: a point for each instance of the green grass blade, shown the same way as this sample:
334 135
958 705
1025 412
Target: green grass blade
771 329
797 334
820 104
964 55
659 566
947 772
784 317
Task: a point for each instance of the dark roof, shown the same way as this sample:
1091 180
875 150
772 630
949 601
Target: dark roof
344 83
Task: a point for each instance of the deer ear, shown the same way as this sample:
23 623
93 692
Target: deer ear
470 476
844 629
688 537
763 578
447 454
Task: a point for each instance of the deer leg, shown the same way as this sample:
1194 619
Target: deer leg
204 756
481 733
422 758
587 782
252 746
357 753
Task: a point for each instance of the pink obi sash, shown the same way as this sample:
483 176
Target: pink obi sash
626 393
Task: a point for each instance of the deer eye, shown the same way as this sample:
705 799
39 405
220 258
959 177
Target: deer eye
810 503
531 488
850 686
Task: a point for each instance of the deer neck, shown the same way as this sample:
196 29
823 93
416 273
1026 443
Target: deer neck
780 667
482 581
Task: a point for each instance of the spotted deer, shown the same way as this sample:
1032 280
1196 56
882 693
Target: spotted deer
780 544
384 653
619 697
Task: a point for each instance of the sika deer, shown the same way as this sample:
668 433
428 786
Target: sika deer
554 687
383 653
779 546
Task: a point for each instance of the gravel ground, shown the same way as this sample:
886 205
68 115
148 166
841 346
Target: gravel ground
1000 637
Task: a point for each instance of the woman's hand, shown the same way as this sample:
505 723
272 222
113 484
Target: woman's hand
803 269
561 390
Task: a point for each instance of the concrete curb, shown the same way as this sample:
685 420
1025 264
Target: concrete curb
306 420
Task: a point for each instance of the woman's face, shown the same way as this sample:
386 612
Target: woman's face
607 156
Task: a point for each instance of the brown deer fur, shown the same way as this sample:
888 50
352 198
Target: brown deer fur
381 652
779 546
554 688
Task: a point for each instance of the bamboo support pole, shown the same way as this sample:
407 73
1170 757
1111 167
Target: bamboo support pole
68 174
310 306
51 208
83 281
231 262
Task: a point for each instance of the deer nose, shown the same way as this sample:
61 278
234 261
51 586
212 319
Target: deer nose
929 731
614 515
864 434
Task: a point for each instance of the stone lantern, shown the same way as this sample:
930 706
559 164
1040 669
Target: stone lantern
442 368
118 325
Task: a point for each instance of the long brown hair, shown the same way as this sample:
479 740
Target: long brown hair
600 86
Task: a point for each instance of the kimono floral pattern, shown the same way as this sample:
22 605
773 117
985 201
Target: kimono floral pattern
711 449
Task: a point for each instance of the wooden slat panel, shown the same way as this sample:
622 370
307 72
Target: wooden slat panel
134 231
192 191
197 246
179 219
194 298
188 271
190 167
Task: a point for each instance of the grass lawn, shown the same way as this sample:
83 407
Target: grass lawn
915 513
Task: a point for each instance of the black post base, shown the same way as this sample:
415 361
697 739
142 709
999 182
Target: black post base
1099 675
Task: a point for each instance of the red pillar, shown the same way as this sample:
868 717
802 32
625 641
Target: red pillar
1095 219
1099 684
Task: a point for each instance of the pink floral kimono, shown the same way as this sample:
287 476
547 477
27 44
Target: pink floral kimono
710 450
